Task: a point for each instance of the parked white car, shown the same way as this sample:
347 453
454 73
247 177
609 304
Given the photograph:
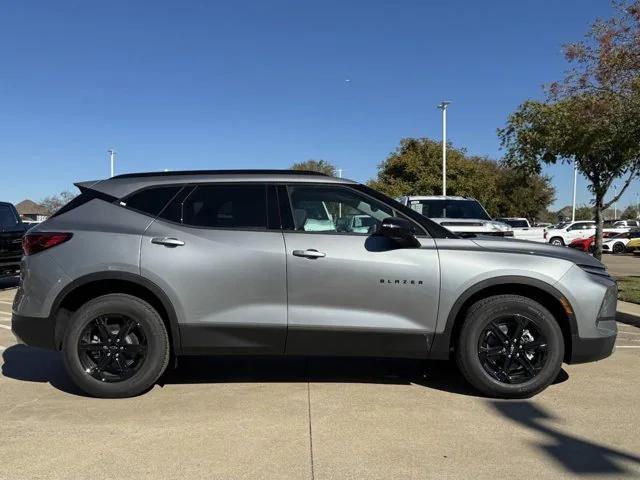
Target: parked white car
462 215
522 229
565 233
570 231
626 224
618 243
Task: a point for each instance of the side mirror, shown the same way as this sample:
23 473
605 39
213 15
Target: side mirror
398 230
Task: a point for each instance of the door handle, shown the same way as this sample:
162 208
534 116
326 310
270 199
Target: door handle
310 253
167 241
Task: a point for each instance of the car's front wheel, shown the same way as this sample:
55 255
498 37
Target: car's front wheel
115 346
557 241
509 346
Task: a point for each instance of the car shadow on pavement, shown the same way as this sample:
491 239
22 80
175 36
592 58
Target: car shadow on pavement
436 375
31 364
577 455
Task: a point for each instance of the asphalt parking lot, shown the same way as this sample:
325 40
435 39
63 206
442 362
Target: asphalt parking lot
317 418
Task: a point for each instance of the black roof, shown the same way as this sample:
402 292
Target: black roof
218 172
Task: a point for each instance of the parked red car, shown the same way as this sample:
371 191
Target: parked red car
586 244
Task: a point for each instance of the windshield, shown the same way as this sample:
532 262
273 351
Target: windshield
438 208
7 217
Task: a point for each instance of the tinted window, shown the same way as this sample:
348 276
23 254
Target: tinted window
514 223
151 200
7 217
226 206
335 209
437 208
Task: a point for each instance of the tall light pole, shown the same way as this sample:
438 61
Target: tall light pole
575 183
112 158
615 204
443 106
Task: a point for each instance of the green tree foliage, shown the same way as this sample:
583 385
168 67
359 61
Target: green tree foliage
321 166
415 168
591 117
631 213
584 212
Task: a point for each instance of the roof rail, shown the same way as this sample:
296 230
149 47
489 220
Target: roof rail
219 172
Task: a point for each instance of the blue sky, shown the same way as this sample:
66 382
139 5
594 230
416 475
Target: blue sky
263 84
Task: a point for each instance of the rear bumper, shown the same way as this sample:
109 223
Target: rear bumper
34 331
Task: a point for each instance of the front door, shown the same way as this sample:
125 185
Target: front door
351 292
211 251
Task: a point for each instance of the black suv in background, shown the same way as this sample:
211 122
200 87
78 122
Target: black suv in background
11 232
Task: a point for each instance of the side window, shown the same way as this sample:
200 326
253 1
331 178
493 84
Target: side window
151 200
225 206
335 209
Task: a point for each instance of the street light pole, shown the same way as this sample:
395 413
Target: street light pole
575 183
112 157
443 106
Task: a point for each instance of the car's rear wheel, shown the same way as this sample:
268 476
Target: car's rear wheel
115 346
509 347
558 241
618 247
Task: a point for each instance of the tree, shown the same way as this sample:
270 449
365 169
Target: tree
321 166
630 213
54 202
591 117
415 168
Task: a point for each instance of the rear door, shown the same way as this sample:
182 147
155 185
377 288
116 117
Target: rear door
212 251
351 292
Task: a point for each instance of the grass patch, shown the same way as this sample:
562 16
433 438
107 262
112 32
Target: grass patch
629 289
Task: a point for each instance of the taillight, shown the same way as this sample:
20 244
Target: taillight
37 242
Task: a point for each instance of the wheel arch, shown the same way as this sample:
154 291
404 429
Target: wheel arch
537 290
93 285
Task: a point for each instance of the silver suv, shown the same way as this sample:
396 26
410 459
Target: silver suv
142 268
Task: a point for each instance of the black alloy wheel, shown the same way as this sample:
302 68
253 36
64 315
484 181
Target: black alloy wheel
512 349
112 347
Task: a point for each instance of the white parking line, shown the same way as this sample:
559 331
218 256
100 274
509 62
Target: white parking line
627 346
9 328
6 303
5 314
2 348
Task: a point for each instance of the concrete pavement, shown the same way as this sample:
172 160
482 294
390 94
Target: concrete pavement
268 418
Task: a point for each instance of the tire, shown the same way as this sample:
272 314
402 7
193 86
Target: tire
143 354
557 241
618 248
476 329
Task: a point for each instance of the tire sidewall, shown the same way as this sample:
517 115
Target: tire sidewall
618 248
475 325
557 241
154 331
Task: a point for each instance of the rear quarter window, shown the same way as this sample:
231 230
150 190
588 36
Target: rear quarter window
151 200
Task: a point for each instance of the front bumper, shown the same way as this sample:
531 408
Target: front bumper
34 331
591 349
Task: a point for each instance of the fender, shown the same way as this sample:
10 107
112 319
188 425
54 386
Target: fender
440 348
128 277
